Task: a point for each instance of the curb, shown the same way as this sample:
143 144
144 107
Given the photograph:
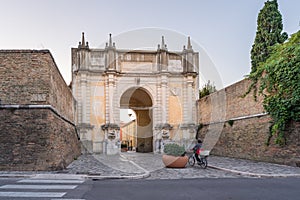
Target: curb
254 174
73 176
140 176
16 176
80 176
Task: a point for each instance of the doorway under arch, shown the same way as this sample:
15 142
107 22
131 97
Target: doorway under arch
139 100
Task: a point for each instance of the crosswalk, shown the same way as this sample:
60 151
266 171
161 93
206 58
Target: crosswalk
52 189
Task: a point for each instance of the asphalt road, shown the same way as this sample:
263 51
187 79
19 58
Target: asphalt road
208 189
248 188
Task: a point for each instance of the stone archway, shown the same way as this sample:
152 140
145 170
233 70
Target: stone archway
139 100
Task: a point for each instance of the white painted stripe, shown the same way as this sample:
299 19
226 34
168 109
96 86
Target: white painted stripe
67 199
32 194
40 187
49 181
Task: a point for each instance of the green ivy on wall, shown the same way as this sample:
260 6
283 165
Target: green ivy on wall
279 83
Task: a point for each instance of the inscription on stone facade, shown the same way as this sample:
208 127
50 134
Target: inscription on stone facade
142 67
97 59
175 66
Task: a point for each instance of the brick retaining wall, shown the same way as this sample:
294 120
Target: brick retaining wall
246 137
36 139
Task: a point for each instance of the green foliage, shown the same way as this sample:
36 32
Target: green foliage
207 90
279 79
269 28
174 149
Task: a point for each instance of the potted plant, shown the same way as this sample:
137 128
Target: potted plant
174 156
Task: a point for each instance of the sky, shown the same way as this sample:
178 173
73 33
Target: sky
222 31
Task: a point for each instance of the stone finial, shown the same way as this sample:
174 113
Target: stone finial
110 41
110 44
163 45
83 39
83 44
189 46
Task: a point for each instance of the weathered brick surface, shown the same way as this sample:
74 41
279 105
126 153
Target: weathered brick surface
36 139
246 138
32 77
23 74
228 103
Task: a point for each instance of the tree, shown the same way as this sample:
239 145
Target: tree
269 28
279 79
207 89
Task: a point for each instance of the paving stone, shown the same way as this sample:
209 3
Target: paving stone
130 164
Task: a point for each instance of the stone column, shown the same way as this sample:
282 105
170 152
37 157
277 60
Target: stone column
164 98
110 96
107 101
190 99
83 83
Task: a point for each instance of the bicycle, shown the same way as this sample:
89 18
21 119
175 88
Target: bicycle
203 159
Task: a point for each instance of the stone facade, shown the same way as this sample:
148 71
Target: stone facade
239 127
161 86
36 111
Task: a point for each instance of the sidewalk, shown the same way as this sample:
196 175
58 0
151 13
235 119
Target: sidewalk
150 166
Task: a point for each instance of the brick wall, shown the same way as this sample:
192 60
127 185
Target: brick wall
228 103
24 77
61 96
246 137
32 77
35 139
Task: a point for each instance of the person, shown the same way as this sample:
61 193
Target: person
196 149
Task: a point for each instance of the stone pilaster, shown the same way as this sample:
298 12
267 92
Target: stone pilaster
83 83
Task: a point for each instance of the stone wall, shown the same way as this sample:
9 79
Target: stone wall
37 130
36 139
237 127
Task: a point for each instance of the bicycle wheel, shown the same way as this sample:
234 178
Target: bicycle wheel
203 163
191 160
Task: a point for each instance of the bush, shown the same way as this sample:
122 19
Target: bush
207 90
173 149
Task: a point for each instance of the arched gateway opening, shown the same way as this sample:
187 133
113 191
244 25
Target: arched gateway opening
139 100
160 86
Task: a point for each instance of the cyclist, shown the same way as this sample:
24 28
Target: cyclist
196 149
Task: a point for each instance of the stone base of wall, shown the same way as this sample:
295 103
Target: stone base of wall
36 139
247 139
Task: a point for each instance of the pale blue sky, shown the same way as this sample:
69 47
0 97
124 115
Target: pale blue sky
224 30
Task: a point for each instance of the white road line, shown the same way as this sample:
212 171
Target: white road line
49 181
40 187
67 199
32 194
